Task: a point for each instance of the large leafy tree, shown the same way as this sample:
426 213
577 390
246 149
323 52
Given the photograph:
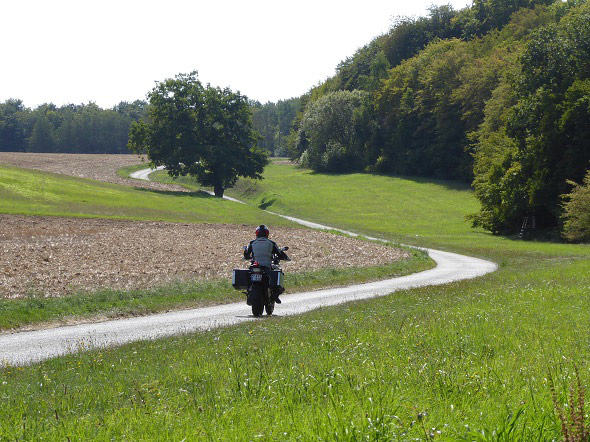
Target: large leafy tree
328 138
205 132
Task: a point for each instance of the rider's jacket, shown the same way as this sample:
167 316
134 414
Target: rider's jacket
262 250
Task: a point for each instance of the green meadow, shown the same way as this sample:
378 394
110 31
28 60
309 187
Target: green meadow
31 192
472 360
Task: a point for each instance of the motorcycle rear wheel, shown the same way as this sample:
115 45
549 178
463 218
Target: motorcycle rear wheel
257 309
257 300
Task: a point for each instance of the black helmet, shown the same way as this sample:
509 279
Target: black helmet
262 230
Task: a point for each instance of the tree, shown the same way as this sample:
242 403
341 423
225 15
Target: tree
13 126
42 138
328 134
544 132
205 132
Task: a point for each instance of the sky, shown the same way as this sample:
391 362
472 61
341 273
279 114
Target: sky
108 51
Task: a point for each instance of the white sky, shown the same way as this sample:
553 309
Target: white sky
107 51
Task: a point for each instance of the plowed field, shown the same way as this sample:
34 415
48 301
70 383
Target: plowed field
53 256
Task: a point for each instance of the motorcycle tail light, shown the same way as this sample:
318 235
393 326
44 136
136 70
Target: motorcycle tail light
256 264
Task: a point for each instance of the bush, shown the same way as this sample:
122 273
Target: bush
577 212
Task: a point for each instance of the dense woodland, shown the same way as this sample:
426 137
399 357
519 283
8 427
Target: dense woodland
496 94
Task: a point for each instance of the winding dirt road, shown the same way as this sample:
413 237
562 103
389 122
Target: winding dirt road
29 347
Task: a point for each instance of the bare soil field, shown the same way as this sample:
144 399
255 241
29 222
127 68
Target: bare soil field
52 256
101 167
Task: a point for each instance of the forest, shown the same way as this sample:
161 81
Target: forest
497 95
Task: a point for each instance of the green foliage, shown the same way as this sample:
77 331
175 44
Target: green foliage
421 121
274 121
541 127
70 128
577 211
329 138
410 35
13 126
204 132
486 15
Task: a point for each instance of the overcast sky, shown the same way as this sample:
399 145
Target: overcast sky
76 51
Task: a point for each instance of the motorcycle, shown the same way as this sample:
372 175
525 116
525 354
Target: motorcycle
260 284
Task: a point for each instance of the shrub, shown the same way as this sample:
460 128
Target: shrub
577 211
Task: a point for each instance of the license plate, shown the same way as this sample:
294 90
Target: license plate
256 277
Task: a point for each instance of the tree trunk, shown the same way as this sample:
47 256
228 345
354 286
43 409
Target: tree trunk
218 191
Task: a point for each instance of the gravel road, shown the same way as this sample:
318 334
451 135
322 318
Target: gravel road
29 347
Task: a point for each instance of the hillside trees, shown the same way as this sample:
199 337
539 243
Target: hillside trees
201 131
273 121
544 129
486 15
421 122
577 211
427 89
14 126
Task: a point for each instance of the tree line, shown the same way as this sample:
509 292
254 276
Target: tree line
84 128
273 121
496 94
87 128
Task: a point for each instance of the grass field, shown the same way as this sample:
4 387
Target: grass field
32 192
466 361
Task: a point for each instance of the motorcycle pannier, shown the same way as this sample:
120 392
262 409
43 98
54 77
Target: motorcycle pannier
240 279
276 278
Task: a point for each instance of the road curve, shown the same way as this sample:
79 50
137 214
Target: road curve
143 174
23 348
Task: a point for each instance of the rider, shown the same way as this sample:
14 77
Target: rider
262 250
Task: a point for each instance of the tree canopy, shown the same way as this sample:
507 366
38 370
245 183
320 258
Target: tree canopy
198 130
496 94
84 128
